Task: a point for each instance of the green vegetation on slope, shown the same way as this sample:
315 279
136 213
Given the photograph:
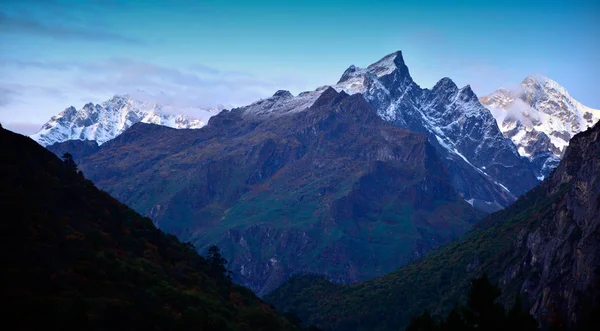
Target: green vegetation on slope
543 248
435 283
75 258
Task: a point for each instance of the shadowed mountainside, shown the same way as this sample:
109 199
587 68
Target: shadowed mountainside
545 247
75 258
333 190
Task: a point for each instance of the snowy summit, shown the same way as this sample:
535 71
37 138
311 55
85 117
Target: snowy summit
540 117
103 122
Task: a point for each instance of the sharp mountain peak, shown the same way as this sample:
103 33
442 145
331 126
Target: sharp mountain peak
393 62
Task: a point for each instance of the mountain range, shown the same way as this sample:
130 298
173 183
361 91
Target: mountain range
328 181
488 171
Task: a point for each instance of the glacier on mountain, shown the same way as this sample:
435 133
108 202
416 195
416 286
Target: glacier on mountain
540 117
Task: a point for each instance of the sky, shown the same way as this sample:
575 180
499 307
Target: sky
212 54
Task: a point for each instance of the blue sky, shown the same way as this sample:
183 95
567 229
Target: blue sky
56 53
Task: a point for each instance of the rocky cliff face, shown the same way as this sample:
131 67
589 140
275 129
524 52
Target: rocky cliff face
540 117
560 257
333 190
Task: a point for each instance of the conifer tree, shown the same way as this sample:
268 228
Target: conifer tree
485 313
69 162
454 321
519 319
216 261
424 322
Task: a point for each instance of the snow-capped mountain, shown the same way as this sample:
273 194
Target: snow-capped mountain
103 122
484 166
282 103
540 117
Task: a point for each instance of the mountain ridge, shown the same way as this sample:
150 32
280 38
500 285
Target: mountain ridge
388 86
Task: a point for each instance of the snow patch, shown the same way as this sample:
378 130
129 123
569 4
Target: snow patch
278 105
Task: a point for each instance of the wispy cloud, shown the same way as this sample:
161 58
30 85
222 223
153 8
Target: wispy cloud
130 71
25 128
12 94
6 95
485 78
203 87
10 25
191 87
25 64
9 95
